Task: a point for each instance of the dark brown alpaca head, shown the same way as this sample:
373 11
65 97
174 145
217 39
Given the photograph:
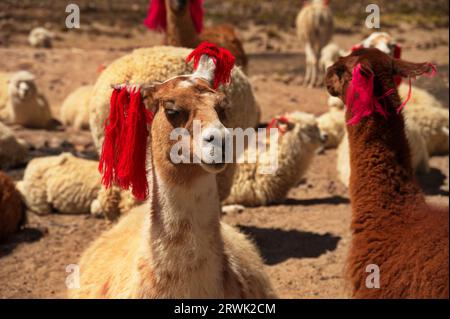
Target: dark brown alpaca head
373 62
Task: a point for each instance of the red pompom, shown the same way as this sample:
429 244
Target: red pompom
223 59
157 15
123 156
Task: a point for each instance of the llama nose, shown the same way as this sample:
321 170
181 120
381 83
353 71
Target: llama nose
214 138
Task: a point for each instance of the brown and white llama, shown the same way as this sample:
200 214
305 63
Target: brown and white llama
175 245
392 226
182 20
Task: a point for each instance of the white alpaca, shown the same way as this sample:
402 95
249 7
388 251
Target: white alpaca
25 105
62 183
296 149
315 29
175 246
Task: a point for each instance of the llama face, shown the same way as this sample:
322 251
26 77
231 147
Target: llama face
21 86
178 5
381 41
185 104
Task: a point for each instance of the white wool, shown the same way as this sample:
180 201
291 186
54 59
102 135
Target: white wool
75 108
63 183
332 124
24 104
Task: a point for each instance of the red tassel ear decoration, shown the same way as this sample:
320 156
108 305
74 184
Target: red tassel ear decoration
222 58
360 96
123 156
196 10
156 15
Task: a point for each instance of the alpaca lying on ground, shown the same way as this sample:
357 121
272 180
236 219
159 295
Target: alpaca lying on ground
298 142
429 115
75 108
315 29
12 208
332 125
13 151
24 104
393 227
144 66
182 21
63 183
174 246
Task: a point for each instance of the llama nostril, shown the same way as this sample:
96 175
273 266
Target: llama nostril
208 138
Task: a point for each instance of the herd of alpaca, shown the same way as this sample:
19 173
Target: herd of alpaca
169 241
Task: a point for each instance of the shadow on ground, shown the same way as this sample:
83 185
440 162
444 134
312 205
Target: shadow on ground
431 183
26 235
277 245
332 200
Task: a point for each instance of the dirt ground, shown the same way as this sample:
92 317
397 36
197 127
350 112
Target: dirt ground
303 241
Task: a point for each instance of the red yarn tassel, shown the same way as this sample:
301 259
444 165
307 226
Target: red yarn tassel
196 10
223 59
123 156
113 135
360 97
157 15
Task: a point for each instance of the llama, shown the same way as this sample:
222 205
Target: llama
175 245
182 21
25 105
315 29
392 225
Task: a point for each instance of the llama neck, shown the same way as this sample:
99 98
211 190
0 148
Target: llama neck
382 178
181 30
185 243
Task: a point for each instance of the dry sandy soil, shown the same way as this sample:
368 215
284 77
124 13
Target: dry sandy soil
303 241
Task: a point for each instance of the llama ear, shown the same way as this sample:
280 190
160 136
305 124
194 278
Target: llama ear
409 69
148 92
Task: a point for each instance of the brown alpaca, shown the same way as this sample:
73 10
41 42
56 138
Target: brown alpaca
181 32
175 245
393 227
12 208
